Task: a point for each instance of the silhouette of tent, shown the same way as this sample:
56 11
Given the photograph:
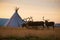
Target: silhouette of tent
15 21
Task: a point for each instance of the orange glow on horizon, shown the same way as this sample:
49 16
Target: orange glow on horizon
26 10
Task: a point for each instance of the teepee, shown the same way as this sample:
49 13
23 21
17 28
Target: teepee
15 21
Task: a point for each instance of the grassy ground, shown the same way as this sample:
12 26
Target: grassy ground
8 33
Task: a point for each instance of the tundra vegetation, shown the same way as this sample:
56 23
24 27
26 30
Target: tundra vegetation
10 33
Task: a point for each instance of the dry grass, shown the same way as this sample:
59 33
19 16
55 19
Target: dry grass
23 32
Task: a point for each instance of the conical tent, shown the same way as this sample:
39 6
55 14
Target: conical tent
15 21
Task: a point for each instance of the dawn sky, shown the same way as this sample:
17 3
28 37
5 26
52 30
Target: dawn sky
50 9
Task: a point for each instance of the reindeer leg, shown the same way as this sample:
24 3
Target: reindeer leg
53 27
43 27
47 27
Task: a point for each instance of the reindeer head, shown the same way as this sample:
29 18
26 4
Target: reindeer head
46 21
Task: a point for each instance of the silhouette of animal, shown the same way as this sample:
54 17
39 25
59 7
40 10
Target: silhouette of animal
49 24
34 24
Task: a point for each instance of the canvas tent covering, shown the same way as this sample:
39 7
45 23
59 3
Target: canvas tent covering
15 21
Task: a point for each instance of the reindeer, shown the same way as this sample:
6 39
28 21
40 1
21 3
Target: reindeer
49 24
34 24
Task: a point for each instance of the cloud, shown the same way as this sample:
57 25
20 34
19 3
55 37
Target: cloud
11 1
48 3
